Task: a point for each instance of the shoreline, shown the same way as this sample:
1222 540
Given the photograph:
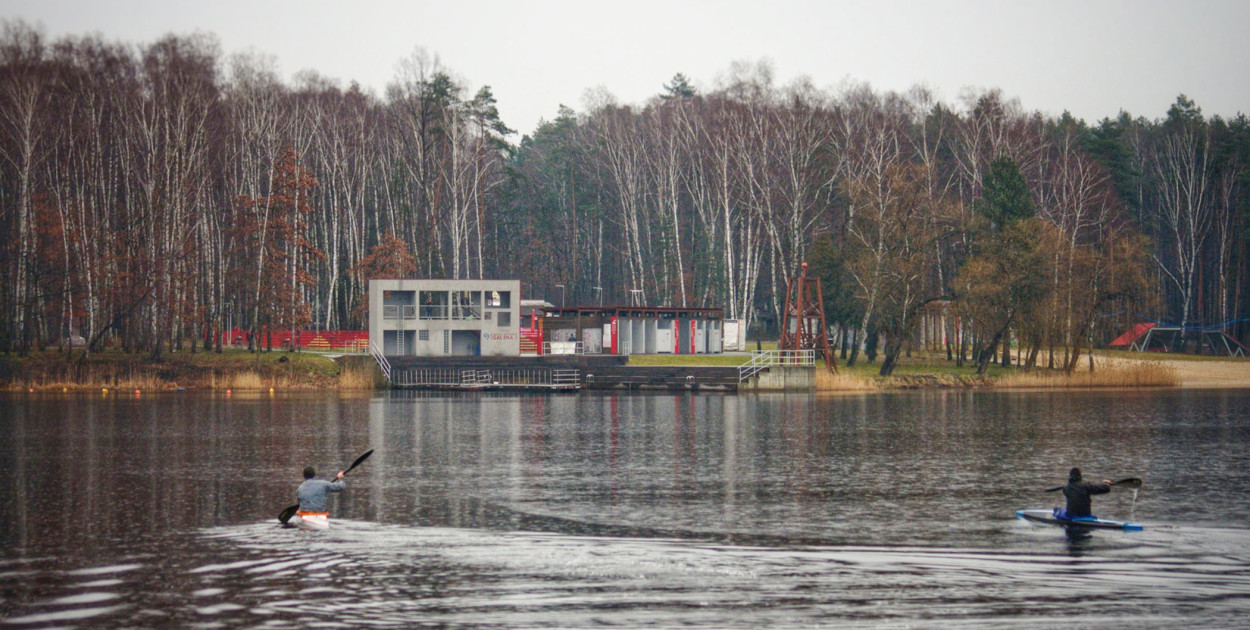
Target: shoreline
237 370
309 371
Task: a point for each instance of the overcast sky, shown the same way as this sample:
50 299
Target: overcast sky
1092 58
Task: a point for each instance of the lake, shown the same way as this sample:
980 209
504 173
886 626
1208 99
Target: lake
635 510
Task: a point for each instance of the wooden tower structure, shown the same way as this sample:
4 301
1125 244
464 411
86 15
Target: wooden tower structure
803 324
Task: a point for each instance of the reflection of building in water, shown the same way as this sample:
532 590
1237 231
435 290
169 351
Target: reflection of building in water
455 435
431 436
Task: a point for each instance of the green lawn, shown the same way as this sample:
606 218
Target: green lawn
916 364
688 359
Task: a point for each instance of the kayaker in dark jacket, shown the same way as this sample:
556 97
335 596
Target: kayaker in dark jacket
1078 492
313 493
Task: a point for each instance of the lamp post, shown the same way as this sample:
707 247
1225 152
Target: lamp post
600 291
561 286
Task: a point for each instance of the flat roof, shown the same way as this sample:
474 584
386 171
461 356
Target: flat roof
452 279
638 310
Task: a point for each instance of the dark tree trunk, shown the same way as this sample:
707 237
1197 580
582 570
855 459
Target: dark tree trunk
854 347
984 362
893 348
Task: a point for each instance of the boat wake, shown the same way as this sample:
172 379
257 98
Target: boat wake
366 573
515 578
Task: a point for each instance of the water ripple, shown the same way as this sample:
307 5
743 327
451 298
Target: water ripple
393 575
77 614
117 568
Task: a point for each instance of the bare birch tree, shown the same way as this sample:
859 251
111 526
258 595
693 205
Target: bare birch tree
1181 164
24 92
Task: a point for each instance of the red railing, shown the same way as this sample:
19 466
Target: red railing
344 340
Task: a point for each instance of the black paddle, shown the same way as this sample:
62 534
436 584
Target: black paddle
1130 482
285 515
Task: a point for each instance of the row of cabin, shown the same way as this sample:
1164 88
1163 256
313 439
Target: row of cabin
431 318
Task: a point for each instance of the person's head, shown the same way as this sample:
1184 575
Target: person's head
309 472
1074 475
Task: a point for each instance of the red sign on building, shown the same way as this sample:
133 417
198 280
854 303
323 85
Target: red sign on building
613 335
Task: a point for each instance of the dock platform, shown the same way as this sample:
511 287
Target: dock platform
555 373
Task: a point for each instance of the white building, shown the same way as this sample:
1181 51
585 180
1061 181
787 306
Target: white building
434 318
626 330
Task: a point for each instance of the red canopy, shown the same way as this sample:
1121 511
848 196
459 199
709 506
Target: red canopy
1129 337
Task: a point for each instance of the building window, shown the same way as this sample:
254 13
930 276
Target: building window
423 335
466 305
504 319
446 342
434 305
499 299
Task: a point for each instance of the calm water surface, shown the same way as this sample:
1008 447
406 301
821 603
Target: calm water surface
624 510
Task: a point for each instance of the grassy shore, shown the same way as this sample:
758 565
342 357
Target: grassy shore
242 370
229 370
925 371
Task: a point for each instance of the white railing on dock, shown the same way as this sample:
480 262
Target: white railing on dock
765 359
566 378
500 377
381 359
477 377
426 376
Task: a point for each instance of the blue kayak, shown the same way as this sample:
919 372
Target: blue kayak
1051 518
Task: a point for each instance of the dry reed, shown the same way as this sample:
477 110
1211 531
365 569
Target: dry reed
92 377
1146 374
47 373
245 380
357 377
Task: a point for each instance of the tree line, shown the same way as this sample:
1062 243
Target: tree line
157 194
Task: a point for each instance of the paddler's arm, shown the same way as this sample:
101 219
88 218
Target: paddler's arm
337 485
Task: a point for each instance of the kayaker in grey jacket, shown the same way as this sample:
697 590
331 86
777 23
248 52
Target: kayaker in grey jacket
313 493
1078 492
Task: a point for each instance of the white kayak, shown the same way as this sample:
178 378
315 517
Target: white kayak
310 521
1092 522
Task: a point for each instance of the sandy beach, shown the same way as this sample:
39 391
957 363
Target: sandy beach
1193 373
